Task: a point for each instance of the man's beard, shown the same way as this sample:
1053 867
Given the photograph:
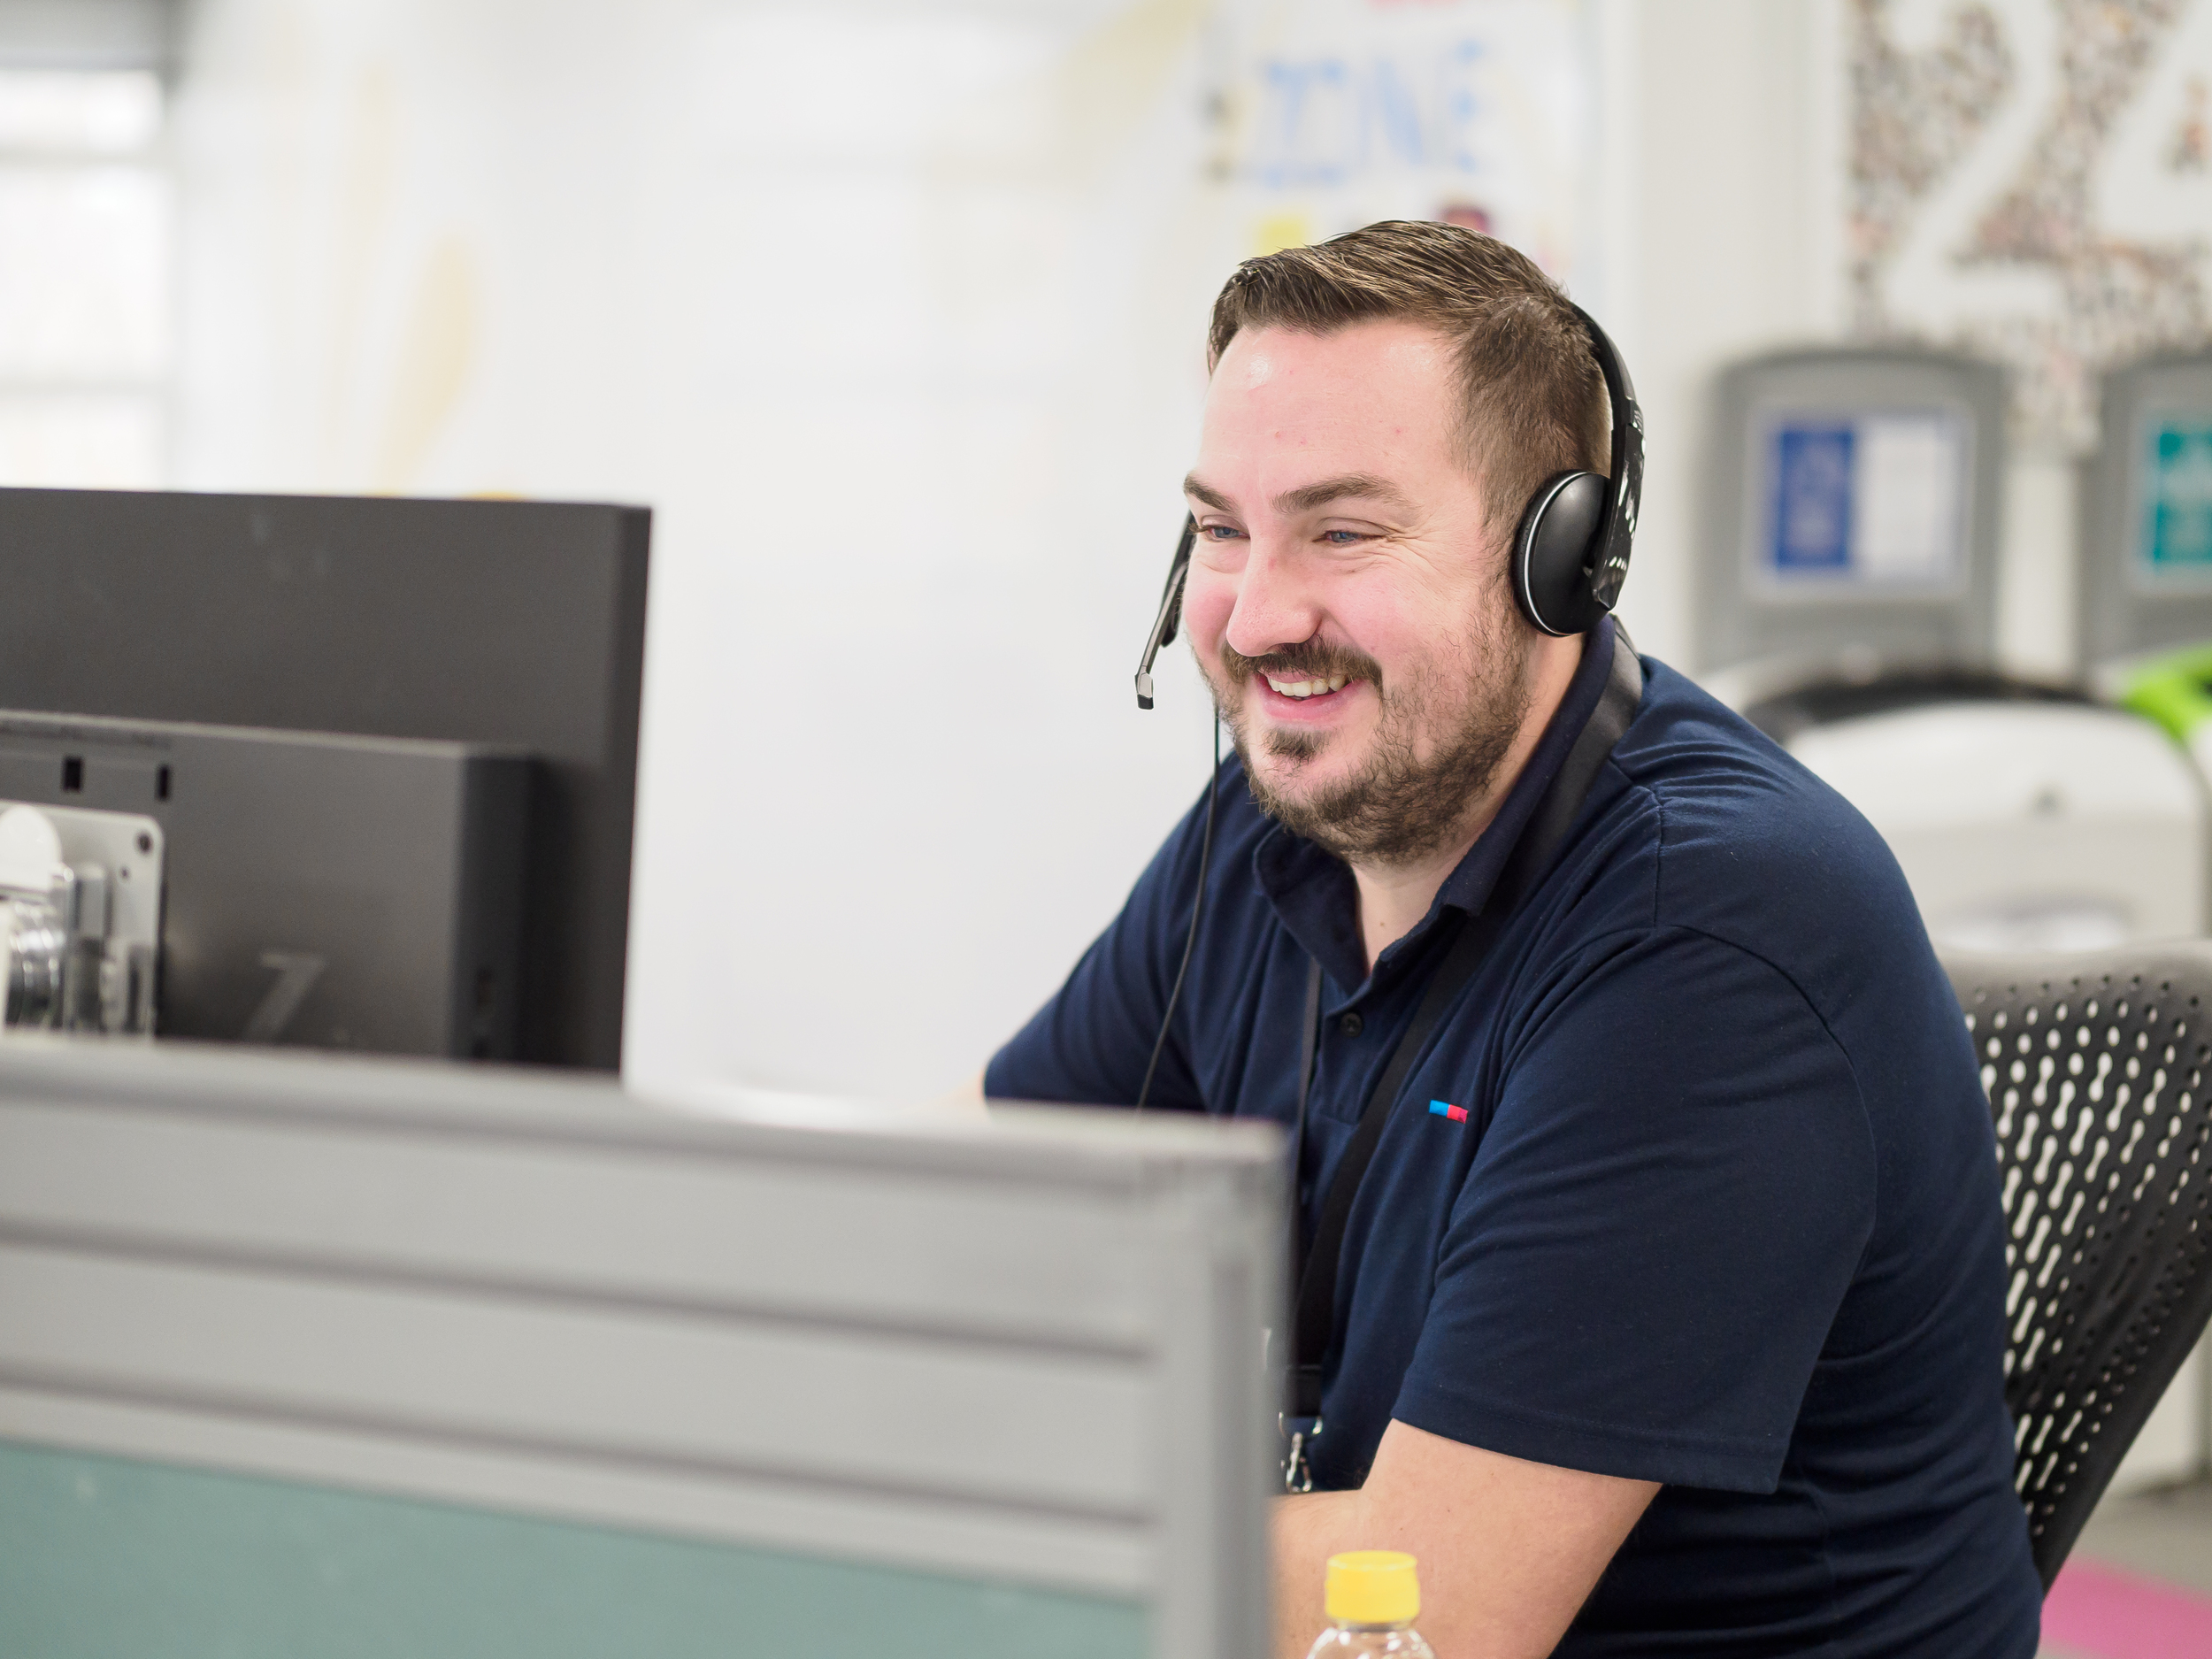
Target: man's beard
1400 806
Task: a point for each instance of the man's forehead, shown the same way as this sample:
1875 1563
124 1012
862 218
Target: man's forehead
1371 382
1295 420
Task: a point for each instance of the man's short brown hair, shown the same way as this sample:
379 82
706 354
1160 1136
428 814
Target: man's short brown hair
1533 402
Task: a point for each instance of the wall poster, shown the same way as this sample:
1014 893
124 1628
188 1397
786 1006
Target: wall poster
2030 181
1323 115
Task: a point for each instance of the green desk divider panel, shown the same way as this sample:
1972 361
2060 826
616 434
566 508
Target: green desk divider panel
113 1558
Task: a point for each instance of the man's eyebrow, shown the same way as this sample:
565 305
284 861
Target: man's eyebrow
1198 489
1381 491
1365 485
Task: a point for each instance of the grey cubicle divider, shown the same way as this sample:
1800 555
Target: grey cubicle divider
1852 503
315 1357
2146 513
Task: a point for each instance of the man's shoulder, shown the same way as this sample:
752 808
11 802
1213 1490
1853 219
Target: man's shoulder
1733 837
1733 805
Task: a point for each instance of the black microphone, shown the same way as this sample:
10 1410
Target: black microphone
1164 625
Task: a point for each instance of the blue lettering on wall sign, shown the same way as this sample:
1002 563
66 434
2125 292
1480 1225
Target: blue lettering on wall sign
1390 109
1462 107
1325 121
1301 99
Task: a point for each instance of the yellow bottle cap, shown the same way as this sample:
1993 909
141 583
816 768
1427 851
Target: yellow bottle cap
1373 1587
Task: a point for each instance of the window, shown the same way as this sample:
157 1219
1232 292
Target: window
85 277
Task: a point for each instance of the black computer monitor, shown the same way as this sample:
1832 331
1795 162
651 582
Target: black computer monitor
515 624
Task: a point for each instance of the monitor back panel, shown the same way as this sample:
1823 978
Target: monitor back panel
514 623
2146 513
1852 505
329 892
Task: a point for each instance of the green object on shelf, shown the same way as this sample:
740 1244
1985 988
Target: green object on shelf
2175 690
114 1558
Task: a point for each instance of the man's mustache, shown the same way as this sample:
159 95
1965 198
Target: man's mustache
1307 661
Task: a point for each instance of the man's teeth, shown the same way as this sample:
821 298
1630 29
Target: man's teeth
1307 688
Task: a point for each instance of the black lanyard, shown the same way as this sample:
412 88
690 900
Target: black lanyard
1314 1271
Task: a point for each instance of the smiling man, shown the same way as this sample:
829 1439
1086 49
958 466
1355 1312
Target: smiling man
1638 1123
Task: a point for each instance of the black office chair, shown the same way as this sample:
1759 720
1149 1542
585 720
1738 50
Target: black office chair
2097 1067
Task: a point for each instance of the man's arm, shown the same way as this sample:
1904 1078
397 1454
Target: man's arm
1509 1549
1093 1041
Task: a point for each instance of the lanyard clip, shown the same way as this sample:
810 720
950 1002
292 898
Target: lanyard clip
1300 1433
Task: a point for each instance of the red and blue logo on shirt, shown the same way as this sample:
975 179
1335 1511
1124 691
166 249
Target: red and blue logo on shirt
1445 1108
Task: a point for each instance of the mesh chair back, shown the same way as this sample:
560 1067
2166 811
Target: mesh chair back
2096 1067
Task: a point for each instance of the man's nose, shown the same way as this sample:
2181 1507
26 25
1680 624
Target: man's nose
1275 603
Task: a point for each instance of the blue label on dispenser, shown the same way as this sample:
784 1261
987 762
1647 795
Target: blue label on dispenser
1812 497
2177 495
1871 499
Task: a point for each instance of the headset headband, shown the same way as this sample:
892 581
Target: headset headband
1609 547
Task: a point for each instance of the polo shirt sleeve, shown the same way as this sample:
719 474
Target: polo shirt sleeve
1658 1227
1089 1044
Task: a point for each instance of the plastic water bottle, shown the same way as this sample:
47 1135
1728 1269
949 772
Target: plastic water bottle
1372 1598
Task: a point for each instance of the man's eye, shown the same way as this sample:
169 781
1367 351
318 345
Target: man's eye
1342 538
1218 532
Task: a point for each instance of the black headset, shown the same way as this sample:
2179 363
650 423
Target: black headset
1570 558
1569 554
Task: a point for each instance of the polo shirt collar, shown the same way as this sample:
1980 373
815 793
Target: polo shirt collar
1318 902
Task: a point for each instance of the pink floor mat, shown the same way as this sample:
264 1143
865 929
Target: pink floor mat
2102 1613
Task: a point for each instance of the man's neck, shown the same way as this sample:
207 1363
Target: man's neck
1393 898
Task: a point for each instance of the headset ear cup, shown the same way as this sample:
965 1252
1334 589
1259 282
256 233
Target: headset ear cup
1553 551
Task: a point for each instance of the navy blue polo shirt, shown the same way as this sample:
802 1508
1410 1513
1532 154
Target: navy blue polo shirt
1722 1211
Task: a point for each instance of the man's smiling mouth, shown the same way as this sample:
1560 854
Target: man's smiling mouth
1303 688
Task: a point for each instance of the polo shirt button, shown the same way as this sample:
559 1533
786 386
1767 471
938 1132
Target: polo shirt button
1350 1024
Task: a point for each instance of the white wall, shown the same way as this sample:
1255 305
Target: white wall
1724 202
893 315
907 385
